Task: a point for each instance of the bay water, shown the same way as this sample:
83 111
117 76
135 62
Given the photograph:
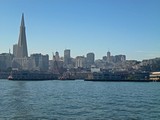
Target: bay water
79 100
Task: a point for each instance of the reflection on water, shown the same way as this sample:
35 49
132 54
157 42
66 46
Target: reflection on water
79 100
19 103
16 101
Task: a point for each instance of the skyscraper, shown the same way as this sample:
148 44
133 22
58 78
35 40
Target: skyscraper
15 46
80 62
21 60
67 57
22 43
90 59
40 62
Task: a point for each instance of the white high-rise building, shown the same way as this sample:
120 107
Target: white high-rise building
80 62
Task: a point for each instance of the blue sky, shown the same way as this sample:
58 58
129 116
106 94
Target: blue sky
130 27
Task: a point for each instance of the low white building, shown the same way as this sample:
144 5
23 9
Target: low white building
154 76
94 69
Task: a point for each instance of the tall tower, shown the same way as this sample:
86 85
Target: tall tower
108 56
90 59
67 57
22 43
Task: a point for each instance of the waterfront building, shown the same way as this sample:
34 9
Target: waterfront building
155 76
5 61
67 58
22 63
90 59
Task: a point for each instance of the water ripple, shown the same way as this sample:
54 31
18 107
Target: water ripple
79 100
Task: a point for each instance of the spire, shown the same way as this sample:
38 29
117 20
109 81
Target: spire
22 42
22 20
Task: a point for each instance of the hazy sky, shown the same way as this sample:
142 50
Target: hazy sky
130 27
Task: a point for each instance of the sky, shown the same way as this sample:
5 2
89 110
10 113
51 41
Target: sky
128 27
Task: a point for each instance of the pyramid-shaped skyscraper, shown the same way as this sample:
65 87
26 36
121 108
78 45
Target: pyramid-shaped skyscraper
22 42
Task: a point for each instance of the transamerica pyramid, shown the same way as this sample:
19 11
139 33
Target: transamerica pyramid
22 42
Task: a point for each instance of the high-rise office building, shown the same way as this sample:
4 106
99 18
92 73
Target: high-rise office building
21 51
15 46
67 57
90 59
80 62
40 62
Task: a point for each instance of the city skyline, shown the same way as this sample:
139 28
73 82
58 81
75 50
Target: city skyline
126 27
